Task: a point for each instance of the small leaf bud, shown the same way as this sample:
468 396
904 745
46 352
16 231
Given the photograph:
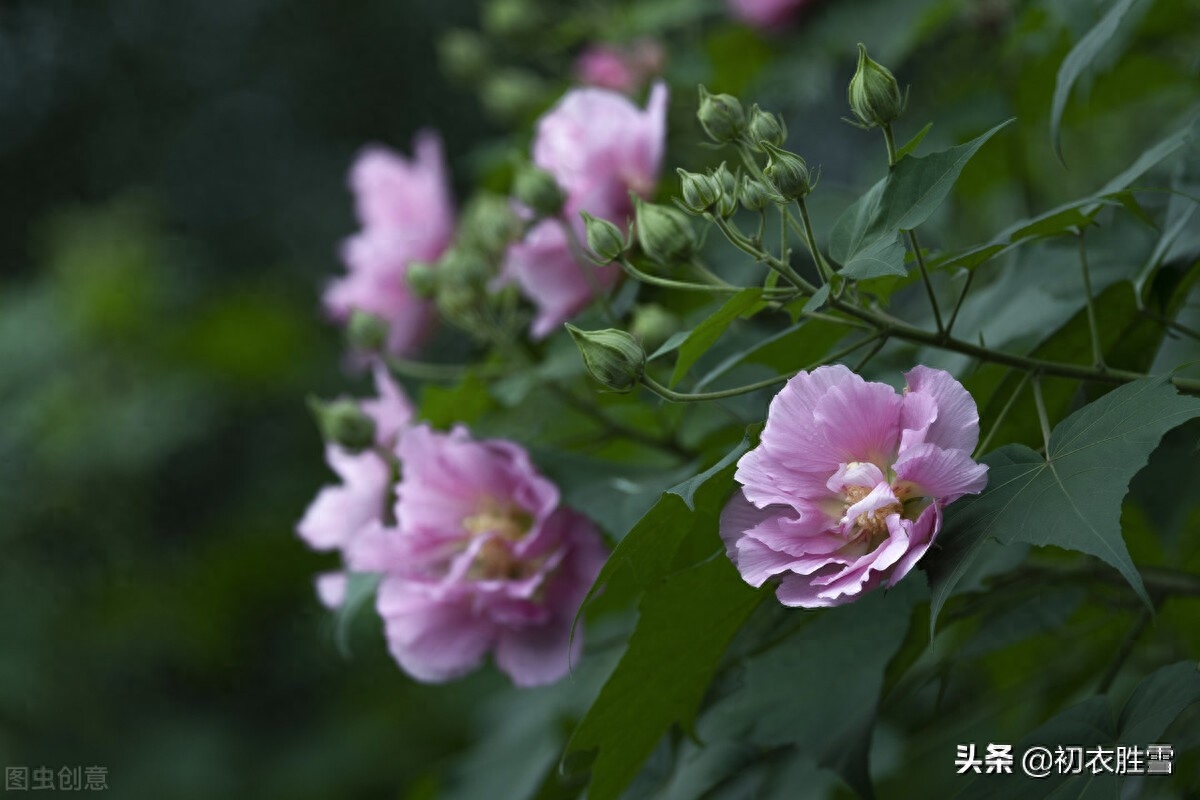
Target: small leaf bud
721 116
367 332
874 94
700 192
489 224
665 234
604 239
613 357
788 172
764 127
754 195
343 423
421 278
537 189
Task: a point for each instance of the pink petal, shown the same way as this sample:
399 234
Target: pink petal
538 655
433 639
920 536
929 471
339 513
331 589
391 409
860 422
957 423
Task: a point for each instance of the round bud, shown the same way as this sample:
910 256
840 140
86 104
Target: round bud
665 234
422 279
787 172
727 204
721 116
700 192
366 332
463 54
538 190
604 239
652 324
754 195
874 94
764 127
343 423
613 357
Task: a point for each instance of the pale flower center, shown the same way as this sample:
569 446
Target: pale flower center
506 523
872 523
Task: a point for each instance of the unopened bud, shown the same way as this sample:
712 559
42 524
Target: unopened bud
665 234
764 127
604 239
754 195
422 279
343 423
721 116
537 189
652 325
699 192
613 357
727 205
463 54
366 332
874 94
787 172
489 224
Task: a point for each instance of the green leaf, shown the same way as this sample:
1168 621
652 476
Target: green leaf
818 689
817 300
684 626
696 343
687 489
1082 55
360 588
672 343
864 238
787 351
464 403
1156 702
1070 499
914 142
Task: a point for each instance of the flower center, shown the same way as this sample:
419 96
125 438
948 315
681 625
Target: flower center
873 523
504 520
495 562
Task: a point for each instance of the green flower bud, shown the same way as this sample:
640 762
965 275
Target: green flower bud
604 239
727 205
489 225
366 332
721 116
343 423
463 55
700 192
764 127
788 172
874 94
754 195
511 93
665 234
613 357
422 278
512 18
652 325
537 189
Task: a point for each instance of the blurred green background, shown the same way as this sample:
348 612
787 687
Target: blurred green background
173 194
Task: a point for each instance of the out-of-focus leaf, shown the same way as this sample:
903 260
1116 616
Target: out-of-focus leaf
1072 497
1082 55
743 304
462 403
913 143
360 588
1156 702
685 623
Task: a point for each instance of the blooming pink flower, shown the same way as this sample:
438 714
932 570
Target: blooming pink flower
406 215
625 70
340 514
846 489
766 14
599 147
483 558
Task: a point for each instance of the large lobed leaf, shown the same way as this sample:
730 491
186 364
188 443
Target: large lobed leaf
1072 497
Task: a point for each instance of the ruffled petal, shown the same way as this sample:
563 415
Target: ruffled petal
927 470
957 423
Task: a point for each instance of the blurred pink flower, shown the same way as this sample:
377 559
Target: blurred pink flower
483 558
599 147
341 513
846 489
407 215
766 14
622 69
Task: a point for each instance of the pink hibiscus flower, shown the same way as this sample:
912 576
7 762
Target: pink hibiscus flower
483 558
406 215
599 147
846 489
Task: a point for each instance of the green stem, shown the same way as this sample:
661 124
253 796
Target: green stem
916 248
958 304
745 245
686 397
891 144
667 283
1097 351
810 239
1043 419
1008 404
